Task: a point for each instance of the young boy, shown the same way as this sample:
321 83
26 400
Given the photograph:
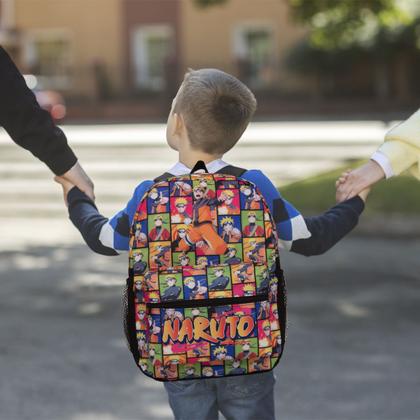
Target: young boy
208 116
400 152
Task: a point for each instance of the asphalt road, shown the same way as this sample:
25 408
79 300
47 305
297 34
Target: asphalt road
352 351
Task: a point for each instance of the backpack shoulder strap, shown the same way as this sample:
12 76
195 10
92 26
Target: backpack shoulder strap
163 177
228 170
232 170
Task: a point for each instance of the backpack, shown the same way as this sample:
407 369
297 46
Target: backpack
205 295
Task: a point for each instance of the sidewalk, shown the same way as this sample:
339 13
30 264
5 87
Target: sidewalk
118 157
261 133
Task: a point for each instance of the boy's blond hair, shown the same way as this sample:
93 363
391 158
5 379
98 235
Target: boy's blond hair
216 108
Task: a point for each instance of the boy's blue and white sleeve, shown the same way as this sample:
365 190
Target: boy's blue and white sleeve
291 225
104 236
307 235
115 232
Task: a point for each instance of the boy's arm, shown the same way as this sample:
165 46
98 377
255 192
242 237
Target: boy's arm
102 235
307 235
329 228
86 218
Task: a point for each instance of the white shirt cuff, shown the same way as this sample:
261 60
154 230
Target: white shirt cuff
382 160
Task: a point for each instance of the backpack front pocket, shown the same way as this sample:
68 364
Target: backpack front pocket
209 338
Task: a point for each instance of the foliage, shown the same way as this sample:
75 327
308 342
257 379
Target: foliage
399 195
307 59
208 3
336 25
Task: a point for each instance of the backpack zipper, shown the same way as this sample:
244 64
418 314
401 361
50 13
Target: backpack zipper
208 302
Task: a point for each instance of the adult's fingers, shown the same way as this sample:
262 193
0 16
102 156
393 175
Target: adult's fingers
77 176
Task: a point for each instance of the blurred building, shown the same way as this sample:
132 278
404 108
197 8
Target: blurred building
129 48
67 43
126 58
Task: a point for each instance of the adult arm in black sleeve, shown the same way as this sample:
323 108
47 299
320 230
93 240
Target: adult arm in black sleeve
87 219
30 126
330 227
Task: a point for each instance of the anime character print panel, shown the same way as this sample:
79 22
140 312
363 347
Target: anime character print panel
206 289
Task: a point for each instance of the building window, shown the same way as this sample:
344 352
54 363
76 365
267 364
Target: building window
151 50
254 53
47 56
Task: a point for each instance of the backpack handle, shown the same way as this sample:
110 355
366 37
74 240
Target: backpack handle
200 165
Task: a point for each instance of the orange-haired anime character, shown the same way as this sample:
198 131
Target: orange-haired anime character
264 333
151 280
253 200
202 232
179 241
208 371
248 289
227 206
184 260
229 232
262 362
154 330
139 237
172 314
264 310
208 193
159 233
196 290
179 214
141 341
154 361
202 262
161 256
181 188
255 252
244 273
269 233
220 353
276 344
246 352
190 372
158 201
252 229
169 369
141 320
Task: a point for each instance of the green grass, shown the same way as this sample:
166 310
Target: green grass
399 195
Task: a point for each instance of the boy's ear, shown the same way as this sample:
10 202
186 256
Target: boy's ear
179 123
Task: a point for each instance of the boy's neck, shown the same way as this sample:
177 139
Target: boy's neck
190 157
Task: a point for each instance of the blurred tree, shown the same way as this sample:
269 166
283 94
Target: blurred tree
383 33
207 3
337 24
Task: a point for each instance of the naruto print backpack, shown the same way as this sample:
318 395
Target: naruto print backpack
205 294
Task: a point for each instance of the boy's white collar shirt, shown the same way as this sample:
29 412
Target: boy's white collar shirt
213 166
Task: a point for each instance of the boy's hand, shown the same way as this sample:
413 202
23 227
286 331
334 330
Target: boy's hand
358 180
342 184
67 186
78 177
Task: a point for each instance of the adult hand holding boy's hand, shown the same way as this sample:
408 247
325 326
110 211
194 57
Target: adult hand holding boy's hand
343 187
358 180
67 186
78 177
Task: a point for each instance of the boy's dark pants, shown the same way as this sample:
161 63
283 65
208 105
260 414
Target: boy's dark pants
247 397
